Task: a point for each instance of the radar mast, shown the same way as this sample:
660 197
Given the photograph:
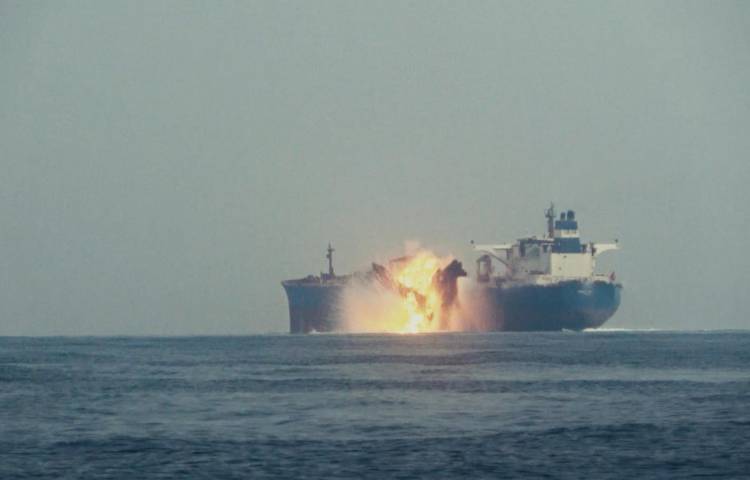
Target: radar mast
329 256
550 214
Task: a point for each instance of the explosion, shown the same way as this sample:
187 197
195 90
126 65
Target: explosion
422 300
415 294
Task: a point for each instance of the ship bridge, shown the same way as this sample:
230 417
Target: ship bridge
565 234
558 254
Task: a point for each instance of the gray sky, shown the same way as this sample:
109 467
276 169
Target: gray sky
166 164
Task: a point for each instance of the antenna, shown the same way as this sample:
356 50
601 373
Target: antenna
550 214
329 256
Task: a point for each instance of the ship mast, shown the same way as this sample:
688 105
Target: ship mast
329 256
550 214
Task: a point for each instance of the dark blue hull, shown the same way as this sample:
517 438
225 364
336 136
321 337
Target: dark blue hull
568 305
312 308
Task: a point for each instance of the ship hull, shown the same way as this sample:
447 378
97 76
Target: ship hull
312 308
567 305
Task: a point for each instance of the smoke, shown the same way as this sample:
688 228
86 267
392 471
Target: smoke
473 312
400 297
420 292
412 247
366 306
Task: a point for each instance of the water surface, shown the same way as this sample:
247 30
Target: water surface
533 405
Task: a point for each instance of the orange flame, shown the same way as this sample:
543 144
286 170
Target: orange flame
373 308
417 276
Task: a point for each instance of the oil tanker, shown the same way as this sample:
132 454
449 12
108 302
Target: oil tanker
537 283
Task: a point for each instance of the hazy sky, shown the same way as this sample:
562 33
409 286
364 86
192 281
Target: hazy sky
166 164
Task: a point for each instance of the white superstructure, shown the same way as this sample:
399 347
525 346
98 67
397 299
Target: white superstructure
559 255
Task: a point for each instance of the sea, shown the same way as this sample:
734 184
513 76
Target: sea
595 404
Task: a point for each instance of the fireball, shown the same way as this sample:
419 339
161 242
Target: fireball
406 297
422 300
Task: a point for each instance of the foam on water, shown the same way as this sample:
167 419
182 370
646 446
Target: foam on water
606 329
